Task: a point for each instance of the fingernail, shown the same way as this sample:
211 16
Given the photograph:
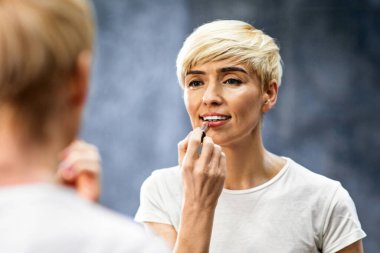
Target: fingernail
68 173
204 126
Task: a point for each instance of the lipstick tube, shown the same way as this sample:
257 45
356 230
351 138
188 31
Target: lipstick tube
204 129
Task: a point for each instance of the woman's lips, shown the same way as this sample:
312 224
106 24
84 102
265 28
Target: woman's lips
217 123
214 119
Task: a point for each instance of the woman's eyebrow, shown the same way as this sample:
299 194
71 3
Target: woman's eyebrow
195 72
232 69
223 70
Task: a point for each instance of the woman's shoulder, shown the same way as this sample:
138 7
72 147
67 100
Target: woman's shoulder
167 172
324 192
164 178
302 176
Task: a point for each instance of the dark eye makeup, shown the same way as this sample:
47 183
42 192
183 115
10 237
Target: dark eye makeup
233 81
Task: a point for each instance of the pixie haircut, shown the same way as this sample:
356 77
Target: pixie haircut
235 40
40 41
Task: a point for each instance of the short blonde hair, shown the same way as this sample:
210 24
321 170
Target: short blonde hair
231 39
40 41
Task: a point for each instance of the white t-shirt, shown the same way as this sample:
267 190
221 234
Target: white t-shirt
44 218
296 211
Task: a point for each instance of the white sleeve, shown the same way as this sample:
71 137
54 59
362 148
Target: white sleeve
342 226
137 240
152 207
154 244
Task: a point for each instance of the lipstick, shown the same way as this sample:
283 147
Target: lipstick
214 119
204 129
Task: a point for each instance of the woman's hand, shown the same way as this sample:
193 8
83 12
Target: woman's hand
80 168
203 174
203 179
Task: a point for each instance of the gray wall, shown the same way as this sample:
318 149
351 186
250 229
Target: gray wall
327 117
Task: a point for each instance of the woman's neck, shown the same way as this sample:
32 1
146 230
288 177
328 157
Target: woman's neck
24 162
249 164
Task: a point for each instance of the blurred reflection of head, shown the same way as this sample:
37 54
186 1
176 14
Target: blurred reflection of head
45 56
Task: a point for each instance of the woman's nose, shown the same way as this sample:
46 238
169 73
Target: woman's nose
212 95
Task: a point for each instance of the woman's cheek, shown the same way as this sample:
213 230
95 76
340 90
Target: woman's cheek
192 104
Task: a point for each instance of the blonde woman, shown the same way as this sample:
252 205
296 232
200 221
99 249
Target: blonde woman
235 195
45 56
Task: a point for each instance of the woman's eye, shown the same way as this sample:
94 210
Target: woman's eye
194 84
233 81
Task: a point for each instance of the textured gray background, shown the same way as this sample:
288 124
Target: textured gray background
327 117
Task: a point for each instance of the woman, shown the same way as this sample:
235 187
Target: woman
45 58
236 196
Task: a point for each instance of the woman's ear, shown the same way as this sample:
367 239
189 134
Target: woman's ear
270 95
78 86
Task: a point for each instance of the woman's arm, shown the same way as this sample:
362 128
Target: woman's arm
195 230
194 236
165 231
356 247
203 177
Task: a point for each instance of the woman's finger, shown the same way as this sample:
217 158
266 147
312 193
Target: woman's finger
214 162
80 151
223 165
191 155
208 150
81 148
69 169
80 168
88 186
76 156
182 148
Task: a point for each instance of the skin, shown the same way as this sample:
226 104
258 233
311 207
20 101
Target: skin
23 160
231 89
79 168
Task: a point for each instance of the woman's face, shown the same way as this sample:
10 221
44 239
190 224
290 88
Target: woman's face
228 96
